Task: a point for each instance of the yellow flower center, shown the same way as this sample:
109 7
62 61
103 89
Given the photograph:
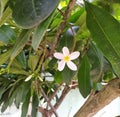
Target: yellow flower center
66 58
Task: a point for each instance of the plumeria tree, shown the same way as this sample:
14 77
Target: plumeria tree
46 45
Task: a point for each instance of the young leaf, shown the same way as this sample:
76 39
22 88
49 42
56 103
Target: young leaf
84 77
105 31
29 13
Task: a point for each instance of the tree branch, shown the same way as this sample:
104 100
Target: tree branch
65 91
47 100
63 23
97 101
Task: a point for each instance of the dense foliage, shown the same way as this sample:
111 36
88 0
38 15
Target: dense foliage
32 31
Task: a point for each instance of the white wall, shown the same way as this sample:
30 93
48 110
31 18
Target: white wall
70 106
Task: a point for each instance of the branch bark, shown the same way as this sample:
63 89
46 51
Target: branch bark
97 101
63 23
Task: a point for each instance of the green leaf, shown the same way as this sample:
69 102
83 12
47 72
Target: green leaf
96 60
58 77
5 56
15 89
17 68
40 32
5 105
68 38
21 58
84 77
4 101
21 41
29 13
6 15
23 89
67 75
77 14
26 104
4 83
35 103
105 31
33 61
2 5
6 35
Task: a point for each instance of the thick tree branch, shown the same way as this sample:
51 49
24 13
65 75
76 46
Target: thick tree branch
97 101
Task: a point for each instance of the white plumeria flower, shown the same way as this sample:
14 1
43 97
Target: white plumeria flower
65 58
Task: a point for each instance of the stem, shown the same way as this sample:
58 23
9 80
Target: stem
74 43
41 60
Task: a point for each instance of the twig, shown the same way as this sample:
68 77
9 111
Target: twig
63 23
47 100
64 93
73 32
56 91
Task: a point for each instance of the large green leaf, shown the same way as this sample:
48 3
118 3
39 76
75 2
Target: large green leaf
40 32
29 13
21 41
84 77
96 60
105 31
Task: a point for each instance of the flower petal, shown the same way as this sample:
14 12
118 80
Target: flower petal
65 51
74 55
58 55
72 66
61 65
